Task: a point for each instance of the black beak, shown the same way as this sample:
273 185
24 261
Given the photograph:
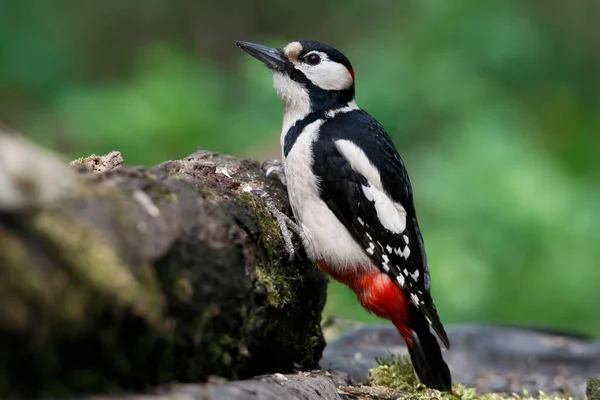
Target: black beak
273 58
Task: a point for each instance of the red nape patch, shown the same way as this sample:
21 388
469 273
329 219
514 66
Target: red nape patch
378 294
351 74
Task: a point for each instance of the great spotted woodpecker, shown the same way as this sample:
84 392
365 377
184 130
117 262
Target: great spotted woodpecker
352 198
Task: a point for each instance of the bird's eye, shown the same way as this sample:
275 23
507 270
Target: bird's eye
312 59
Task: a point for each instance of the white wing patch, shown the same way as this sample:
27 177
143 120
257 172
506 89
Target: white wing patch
391 214
359 161
387 211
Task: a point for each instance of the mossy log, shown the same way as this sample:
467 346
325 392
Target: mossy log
118 277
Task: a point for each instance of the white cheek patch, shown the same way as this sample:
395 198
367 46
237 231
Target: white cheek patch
327 75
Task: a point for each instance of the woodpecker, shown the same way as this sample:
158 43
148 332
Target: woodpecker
352 198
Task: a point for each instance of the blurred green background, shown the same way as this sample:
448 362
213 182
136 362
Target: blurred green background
494 106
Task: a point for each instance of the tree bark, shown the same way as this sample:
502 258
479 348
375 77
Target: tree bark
116 276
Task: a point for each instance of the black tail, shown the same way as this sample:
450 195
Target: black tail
426 355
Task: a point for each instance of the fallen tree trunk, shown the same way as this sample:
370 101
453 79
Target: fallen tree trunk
115 277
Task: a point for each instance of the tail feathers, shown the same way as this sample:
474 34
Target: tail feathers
426 357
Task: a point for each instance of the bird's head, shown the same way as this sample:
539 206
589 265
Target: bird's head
307 73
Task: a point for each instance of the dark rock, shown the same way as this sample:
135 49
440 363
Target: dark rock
491 358
130 277
318 385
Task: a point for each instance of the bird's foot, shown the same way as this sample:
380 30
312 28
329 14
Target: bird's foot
285 223
274 167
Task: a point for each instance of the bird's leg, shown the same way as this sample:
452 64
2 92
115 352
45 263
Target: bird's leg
285 223
275 167
272 166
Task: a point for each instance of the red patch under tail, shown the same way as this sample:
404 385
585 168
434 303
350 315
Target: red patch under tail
378 294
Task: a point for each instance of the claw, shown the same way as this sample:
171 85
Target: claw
274 168
285 223
272 161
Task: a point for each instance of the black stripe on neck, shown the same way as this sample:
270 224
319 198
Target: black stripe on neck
321 99
292 134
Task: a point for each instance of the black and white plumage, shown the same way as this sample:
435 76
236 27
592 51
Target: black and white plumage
370 192
351 194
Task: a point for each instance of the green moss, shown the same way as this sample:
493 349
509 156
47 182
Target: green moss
314 340
224 349
279 292
394 378
199 189
83 160
395 372
93 261
18 284
183 289
272 276
51 290
270 233
592 390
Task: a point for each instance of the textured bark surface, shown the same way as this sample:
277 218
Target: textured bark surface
127 277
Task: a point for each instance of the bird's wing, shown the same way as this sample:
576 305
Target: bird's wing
357 184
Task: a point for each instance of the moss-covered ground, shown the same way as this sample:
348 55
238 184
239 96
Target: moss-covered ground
394 378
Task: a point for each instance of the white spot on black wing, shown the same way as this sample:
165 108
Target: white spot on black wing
371 248
400 280
415 275
415 299
404 253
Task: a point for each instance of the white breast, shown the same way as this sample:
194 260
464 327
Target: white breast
324 236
